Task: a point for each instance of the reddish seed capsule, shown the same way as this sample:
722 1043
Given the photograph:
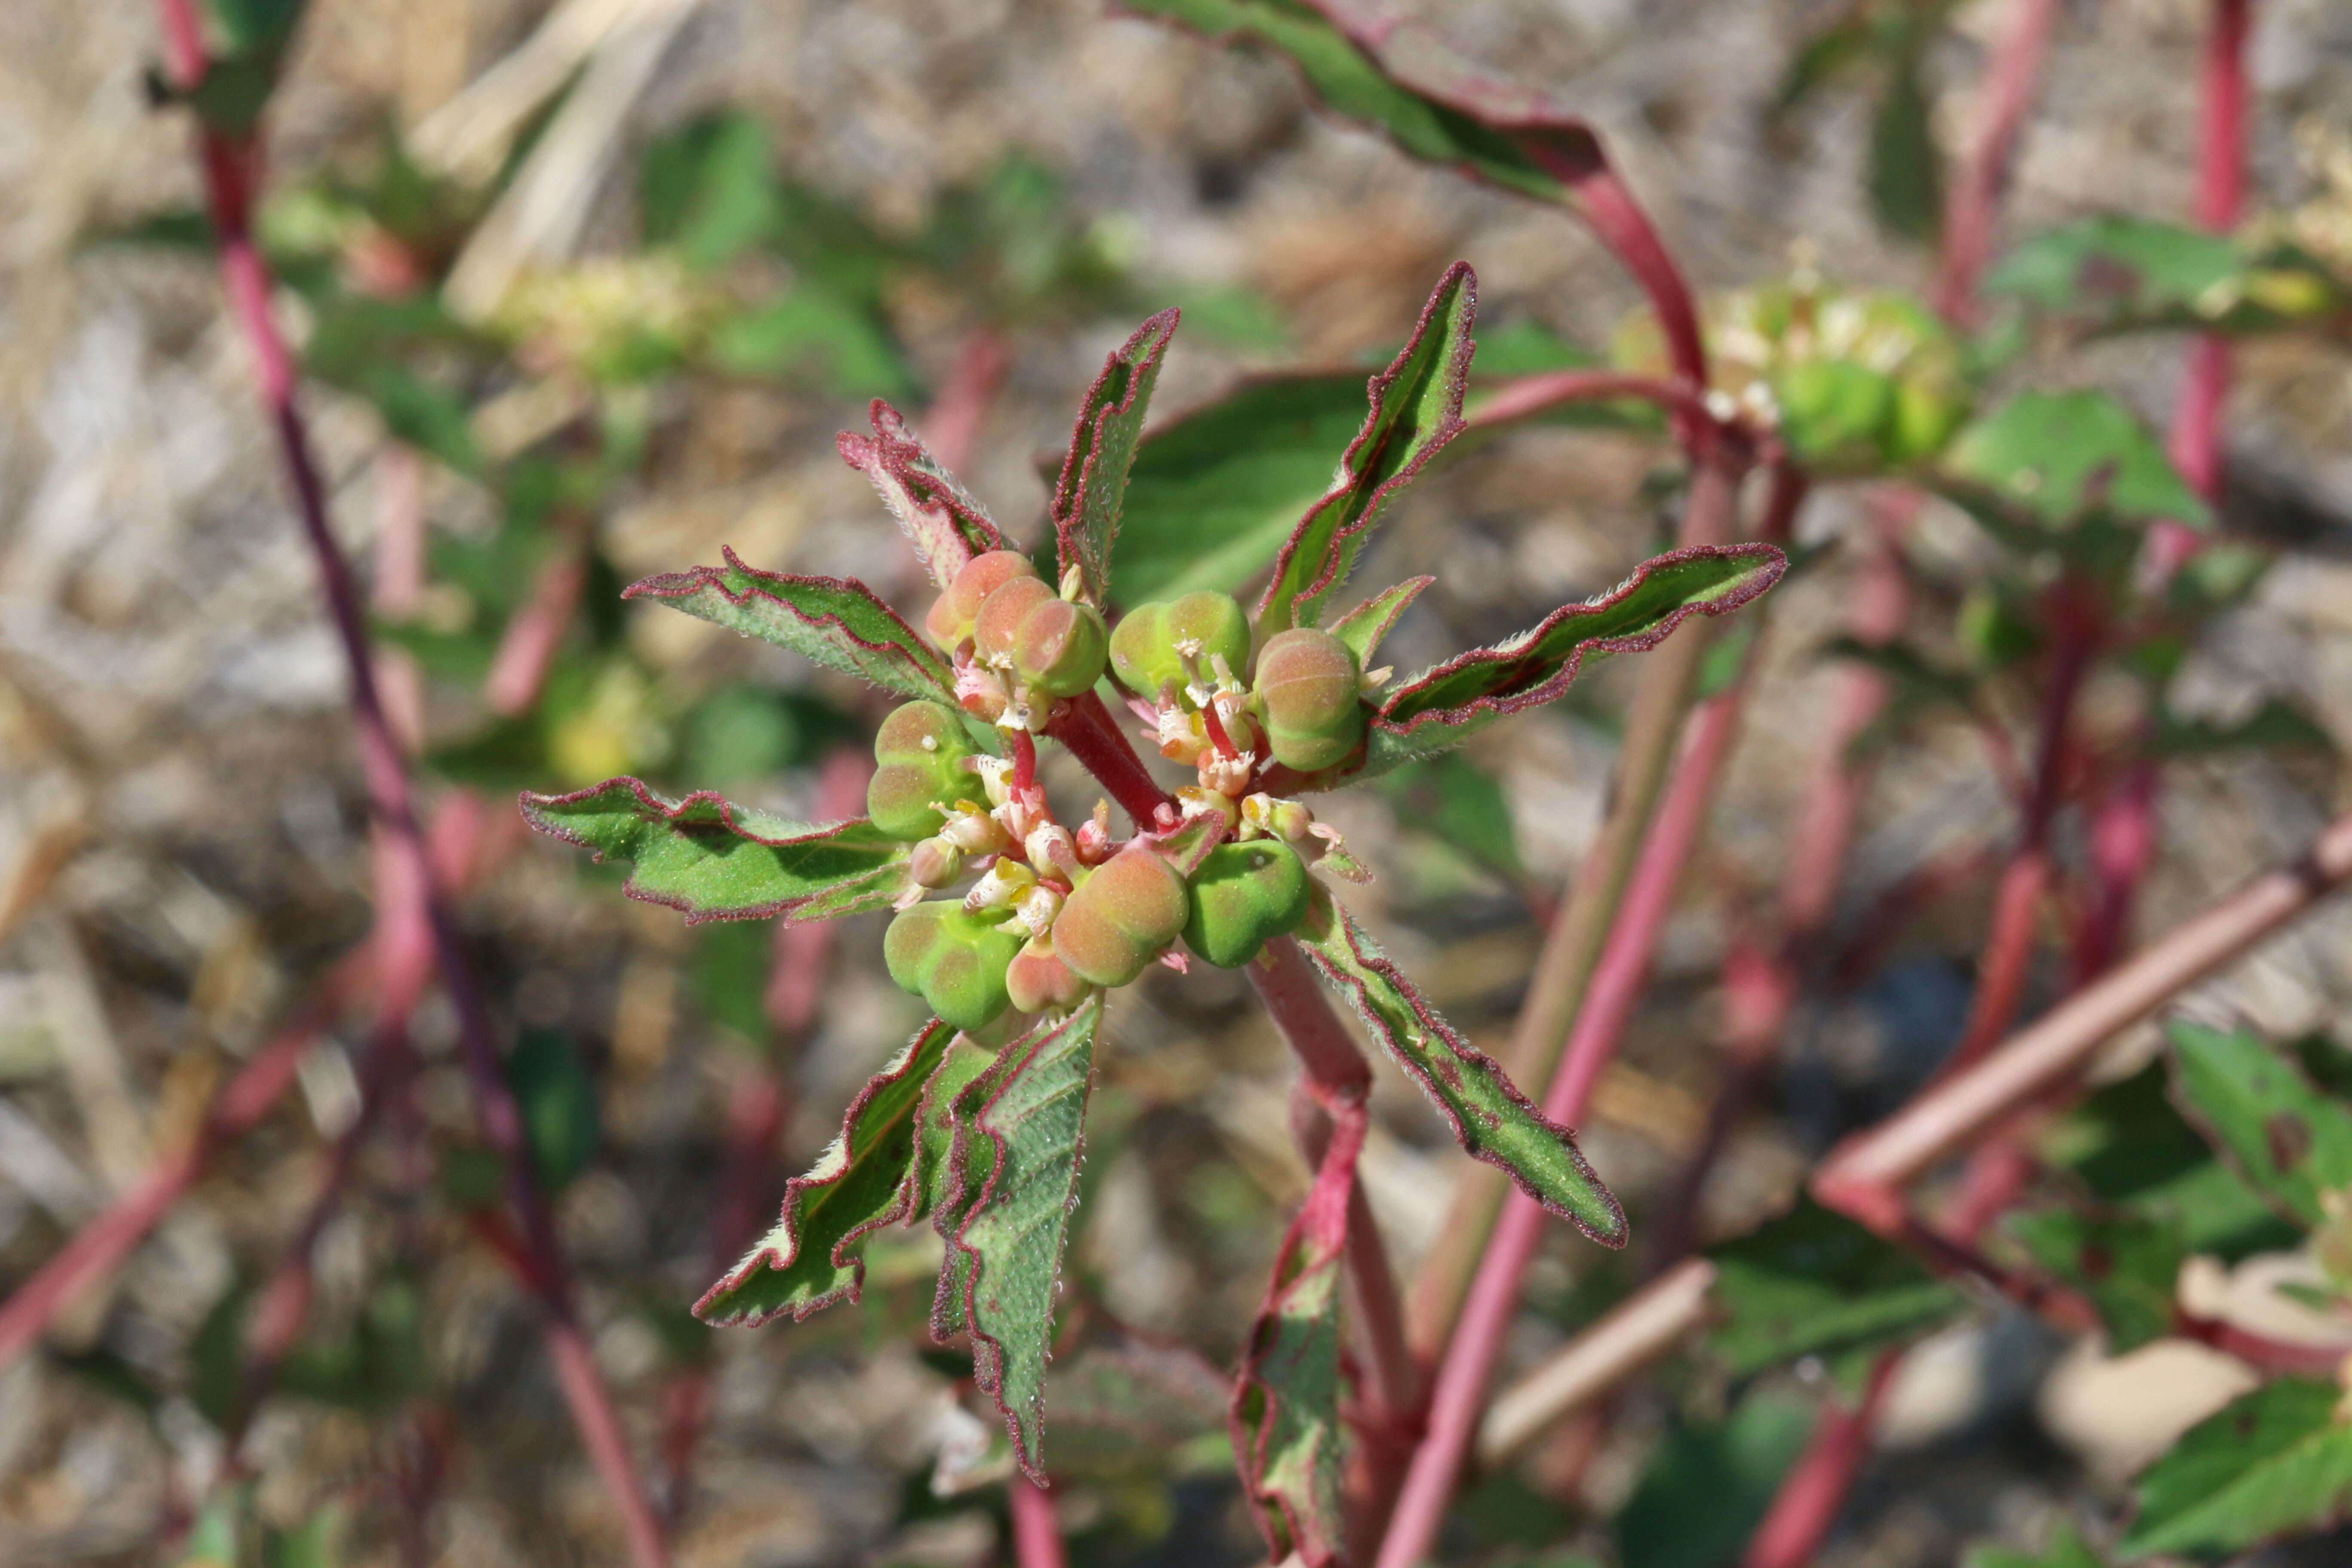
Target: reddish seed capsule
954 612
1124 915
1307 683
1052 644
1038 980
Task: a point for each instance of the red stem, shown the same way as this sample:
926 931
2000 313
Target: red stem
246 274
1971 212
1532 394
1094 737
1814 1493
1617 979
527 650
951 424
1036 1534
1618 218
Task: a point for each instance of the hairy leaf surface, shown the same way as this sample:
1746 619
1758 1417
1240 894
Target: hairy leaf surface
2290 1140
834 621
713 860
2276 1460
1093 486
1492 1120
864 1181
1362 627
946 526
1005 1245
1287 1431
1445 706
1416 409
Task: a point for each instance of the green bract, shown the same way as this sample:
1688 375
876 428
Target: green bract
1244 896
919 753
953 960
1146 647
1307 683
1121 917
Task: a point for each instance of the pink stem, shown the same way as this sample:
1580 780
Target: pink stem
1814 1493
1494 1299
527 650
1094 737
1036 1534
229 198
1618 218
1533 394
1971 212
951 424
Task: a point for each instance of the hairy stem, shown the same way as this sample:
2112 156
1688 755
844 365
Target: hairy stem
1971 212
1036 1534
227 167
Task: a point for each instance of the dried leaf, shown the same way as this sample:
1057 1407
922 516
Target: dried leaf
834 621
714 860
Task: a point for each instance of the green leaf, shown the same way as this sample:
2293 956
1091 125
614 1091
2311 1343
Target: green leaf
1814 1283
1491 1119
2291 1141
1362 627
1708 1486
560 1117
2065 1550
2129 1265
1007 1246
713 860
811 335
1456 802
710 189
2277 1460
833 621
1287 1424
1416 409
815 1253
1093 486
2061 456
2275 726
1214 491
2117 266
1905 165
1422 111
1440 708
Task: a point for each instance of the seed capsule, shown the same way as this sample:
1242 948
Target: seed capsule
1051 644
1243 897
1039 980
953 960
954 612
1121 917
1308 684
1148 648
920 755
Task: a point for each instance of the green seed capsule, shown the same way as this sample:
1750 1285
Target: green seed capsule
1143 647
954 612
1307 683
953 961
1039 980
1243 897
920 755
1121 918
1052 644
